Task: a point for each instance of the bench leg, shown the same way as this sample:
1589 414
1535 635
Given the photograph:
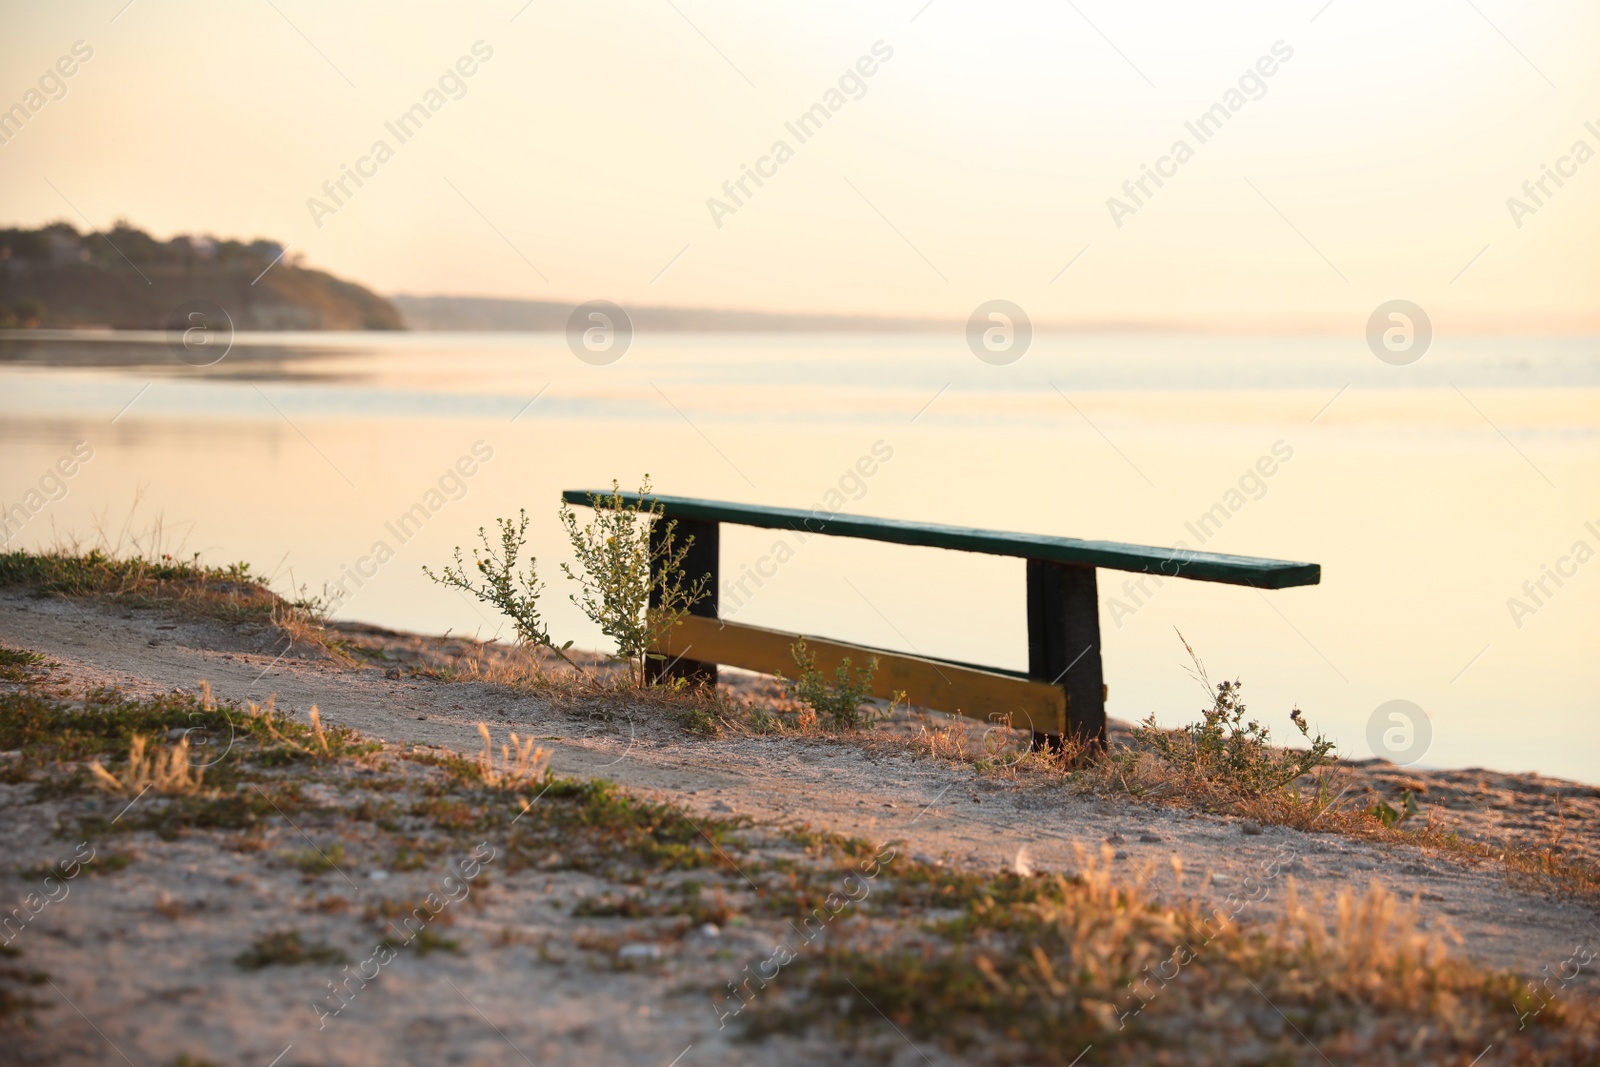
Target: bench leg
703 558
1064 647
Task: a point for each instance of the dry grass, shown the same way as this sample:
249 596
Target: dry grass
1325 802
520 762
303 625
166 771
140 571
317 731
605 685
1013 967
1037 969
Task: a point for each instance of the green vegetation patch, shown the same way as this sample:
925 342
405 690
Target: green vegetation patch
185 588
285 948
103 724
18 665
15 981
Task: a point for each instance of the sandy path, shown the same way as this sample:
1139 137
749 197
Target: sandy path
939 811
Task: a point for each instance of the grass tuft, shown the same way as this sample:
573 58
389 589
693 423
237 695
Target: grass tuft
520 762
285 948
17 665
165 770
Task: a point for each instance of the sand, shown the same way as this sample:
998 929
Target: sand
142 959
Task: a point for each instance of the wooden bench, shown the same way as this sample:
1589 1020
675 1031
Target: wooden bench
1062 693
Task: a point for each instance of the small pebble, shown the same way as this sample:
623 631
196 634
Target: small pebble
1250 827
1120 855
378 876
710 930
1149 837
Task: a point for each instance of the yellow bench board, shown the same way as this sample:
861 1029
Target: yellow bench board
976 694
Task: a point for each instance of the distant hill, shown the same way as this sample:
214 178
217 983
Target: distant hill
472 313
126 279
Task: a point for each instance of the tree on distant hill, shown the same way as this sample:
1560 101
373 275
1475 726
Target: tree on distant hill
57 277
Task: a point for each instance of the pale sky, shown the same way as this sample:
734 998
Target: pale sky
577 162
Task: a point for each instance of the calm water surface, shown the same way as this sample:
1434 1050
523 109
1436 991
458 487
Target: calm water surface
1430 494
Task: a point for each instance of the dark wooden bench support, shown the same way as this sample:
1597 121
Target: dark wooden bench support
703 558
1064 647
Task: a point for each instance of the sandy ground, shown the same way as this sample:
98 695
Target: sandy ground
135 984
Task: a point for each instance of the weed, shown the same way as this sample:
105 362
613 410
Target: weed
113 861
390 908
630 572
314 861
429 940
1391 816
591 825
838 701
1228 753
19 666
425 941
285 948
695 719
411 858
515 595
606 906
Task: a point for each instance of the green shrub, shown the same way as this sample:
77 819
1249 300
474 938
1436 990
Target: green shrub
631 584
838 703
514 595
